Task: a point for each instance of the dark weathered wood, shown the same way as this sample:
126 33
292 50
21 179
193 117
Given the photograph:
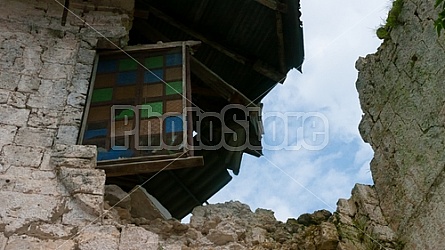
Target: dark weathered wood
144 167
280 36
218 84
258 66
160 45
274 5
65 12
139 158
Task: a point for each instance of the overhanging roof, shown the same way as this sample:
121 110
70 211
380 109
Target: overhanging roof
249 44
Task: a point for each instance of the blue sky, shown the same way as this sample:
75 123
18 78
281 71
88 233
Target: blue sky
292 182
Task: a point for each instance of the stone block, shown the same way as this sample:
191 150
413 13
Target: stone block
3 241
76 215
83 72
86 56
55 102
28 83
35 137
4 95
93 204
19 209
71 116
79 85
86 181
75 151
17 99
59 55
8 80
73 163
146 206
115 196
134 238
7 133
22 156
54 230
27 242
67 135
76 100
95 237
55 71
44 118
13 116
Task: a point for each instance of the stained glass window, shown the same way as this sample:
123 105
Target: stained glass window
136 105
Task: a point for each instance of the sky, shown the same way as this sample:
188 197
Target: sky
322 112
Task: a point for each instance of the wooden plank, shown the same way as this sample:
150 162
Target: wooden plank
139 159
218 84
144 167
274 5
259 66
159 45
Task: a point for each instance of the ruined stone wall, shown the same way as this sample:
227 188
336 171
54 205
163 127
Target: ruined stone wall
49 188
402 94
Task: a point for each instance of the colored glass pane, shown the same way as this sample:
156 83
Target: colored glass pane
121 114
127 64
151 109
173 124
173 88
99 114
102 95
173 74
153 76
104 80
174 106
152 90
154 62
173 59
126 78
94 133
106 66
128 92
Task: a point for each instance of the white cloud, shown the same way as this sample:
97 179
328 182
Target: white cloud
336 34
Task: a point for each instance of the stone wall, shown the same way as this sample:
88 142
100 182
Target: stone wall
52 197
402 94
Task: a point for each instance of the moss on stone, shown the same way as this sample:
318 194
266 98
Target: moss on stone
391 21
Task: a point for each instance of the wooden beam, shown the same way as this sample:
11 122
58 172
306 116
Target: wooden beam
218 84
144 167
258 66
159 45
274 5
280 37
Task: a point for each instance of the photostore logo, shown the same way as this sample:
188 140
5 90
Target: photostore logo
235 128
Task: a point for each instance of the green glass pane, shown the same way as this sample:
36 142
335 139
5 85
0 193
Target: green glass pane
126 113
102 95
127 64
173 88
154 62
151 109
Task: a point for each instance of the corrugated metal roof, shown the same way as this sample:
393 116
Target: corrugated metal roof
245 27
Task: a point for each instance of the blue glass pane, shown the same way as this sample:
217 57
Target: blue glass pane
106 66
173 59
173 124
153 76
126 78
93 133
114 154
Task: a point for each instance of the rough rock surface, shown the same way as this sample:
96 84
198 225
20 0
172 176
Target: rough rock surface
403 98
52 196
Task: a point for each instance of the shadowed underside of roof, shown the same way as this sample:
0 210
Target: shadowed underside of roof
250 44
